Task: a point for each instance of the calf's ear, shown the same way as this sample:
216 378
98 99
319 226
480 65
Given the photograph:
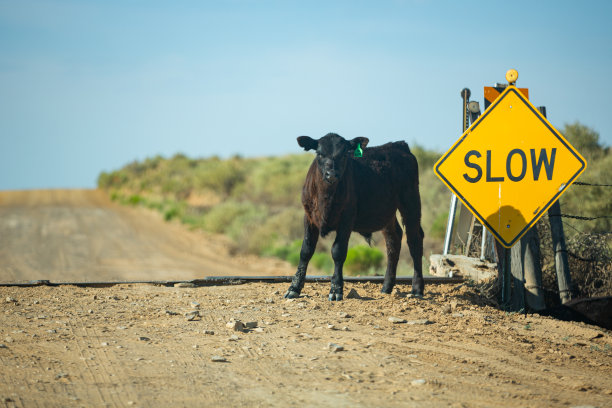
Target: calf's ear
308 143
362 141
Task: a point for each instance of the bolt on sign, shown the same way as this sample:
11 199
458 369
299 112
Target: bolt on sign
510 166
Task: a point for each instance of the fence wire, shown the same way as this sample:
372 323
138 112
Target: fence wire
580 217
582 183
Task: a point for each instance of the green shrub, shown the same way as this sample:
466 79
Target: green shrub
222 177
277 181
281 252
290 252
135 199
362 259
243 227
154 205
277 230
220 218
438 227
193 217
172 212
294 258
323 262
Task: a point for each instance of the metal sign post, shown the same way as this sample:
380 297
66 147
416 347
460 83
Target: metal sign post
448 238
466 223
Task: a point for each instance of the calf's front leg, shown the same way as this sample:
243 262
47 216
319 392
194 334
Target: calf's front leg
339 250
311 236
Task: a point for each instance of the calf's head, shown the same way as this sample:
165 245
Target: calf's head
333 152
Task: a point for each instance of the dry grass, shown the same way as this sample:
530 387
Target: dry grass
590 262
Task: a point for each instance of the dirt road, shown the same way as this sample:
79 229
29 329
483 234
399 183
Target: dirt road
80 235
156 346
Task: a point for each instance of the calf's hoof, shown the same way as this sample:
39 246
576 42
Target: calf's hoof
292 293
418 287
416 292
387 289
335 295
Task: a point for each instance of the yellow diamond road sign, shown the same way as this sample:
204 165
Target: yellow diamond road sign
510 166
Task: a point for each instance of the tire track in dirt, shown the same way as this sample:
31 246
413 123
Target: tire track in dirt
99 368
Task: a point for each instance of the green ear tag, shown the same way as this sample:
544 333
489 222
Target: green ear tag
358 151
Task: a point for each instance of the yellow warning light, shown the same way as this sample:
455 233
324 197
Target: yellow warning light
511 76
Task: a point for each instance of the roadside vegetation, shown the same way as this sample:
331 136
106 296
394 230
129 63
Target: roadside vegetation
588 240
256 201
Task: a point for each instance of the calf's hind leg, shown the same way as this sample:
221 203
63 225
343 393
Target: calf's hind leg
411 217
393 241
311 236
414 236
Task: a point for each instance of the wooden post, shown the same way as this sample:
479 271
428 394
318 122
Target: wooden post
564 279
503 272
561 264
517 270
507 282
532 270
525 274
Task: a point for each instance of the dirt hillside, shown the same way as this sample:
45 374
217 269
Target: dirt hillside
80 235
148 345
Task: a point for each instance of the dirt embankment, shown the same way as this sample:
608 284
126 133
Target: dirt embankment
80 235
146 345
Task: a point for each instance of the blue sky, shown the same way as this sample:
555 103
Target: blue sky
88 86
